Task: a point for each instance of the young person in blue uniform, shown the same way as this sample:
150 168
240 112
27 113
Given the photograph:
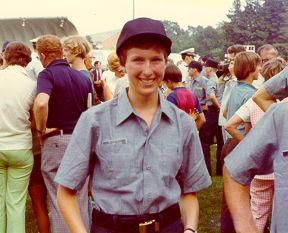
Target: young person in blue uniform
147 154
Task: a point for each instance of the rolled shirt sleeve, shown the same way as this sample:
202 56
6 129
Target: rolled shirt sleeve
211 86
277 86
75 164
254 155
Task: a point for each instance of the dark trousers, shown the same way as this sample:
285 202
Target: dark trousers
176 227
210 130
227 225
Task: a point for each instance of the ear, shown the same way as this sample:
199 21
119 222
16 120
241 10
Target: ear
42 56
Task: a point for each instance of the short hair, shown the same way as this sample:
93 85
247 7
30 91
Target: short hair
266 47
246 63
77 45
173 73
204 58
50 46
236 48
196 65
17 53
97 62
113 61
273 67
147 42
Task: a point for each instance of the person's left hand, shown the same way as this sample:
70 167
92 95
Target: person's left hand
194 113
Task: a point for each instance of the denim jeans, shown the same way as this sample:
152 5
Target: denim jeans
176 227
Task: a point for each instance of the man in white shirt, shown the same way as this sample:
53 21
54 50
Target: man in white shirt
35 66
187 56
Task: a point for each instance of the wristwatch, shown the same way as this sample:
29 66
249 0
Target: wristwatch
190 229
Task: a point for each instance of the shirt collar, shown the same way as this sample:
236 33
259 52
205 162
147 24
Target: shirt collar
125 109
165 107
58 62
197 78
240 82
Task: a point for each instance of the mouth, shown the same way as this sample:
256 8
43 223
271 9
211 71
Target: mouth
147 82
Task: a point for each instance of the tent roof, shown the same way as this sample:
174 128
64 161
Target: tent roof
25 29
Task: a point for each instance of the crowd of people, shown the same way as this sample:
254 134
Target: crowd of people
127 149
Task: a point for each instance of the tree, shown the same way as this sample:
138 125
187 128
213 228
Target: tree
258 23
180 38
208 40
275 13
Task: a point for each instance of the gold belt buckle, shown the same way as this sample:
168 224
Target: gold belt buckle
143 226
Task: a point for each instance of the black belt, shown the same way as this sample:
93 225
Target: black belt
137 223
57 132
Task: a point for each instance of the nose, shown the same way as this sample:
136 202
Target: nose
147 69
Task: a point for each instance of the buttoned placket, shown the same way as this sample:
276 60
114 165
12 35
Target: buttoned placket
147 168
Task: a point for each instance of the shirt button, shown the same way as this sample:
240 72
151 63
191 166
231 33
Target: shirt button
148 167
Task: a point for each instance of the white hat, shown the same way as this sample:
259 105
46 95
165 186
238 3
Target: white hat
189 51
34 40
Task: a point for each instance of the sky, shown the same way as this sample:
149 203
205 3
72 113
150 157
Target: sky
93 16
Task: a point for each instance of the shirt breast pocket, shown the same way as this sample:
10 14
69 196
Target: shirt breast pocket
116 158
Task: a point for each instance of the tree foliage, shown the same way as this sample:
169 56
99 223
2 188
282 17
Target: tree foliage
257 22
206 40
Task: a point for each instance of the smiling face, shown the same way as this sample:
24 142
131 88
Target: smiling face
145 69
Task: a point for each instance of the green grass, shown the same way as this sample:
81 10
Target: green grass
209 201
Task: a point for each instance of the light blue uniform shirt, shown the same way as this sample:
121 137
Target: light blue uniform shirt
198 87
264 150
240 94
277 86
136 166
213 86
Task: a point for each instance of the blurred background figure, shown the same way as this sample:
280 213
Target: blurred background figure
34 67
114 74
181 96
75 50
187 56
98 70
2 60
17 93
214 93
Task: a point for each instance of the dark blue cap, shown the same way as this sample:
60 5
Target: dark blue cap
5 44
143 27
211 63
